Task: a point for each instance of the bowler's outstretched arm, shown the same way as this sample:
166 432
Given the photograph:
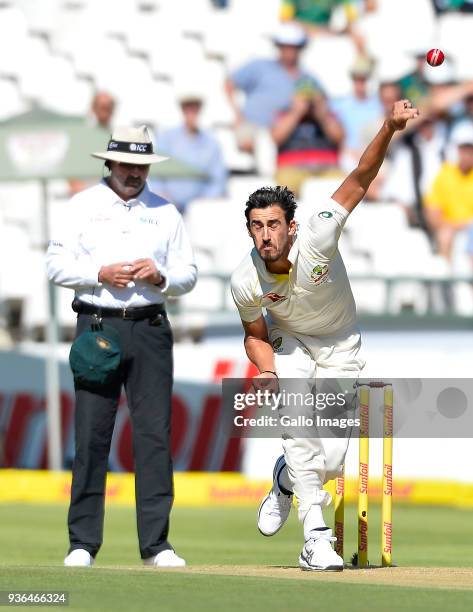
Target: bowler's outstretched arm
354 187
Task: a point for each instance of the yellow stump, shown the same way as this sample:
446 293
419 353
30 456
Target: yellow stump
340 512
363 473
387 494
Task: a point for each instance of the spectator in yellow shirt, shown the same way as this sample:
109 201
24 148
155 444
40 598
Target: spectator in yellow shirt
449 205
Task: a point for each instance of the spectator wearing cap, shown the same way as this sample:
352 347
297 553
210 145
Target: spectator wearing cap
449 204
356 111
123 251
308 137
197 147
268 84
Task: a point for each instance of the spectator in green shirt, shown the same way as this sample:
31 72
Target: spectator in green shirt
414 86
318 12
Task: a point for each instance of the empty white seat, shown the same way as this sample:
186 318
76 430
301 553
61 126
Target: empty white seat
100 53
378 227
130 77
189 17
21 206
265 152
71 97
356 265
319 190
13 24
41 16
410 254
234 158
207 296
241 187
11 101
204 261
333 74
387 27
19 65
14 247
462 294
455 39
370 296
462 261
225 246
204 219
143 30
260 17
177 58
411 296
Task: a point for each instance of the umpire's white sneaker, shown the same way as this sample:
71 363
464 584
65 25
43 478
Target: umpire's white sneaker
166 558
275 507
318 554
79 558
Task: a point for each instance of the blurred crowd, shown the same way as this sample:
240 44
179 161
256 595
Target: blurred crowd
286 124
429 170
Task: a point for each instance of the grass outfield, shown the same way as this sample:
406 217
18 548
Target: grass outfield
232 567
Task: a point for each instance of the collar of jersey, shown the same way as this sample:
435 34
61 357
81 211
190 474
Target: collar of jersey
141 200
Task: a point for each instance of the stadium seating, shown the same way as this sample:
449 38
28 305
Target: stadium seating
145 52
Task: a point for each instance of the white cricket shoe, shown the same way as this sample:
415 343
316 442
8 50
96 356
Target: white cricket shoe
275 507
318 554
166 558
79 558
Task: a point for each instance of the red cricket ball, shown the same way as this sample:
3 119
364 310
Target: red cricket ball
435 57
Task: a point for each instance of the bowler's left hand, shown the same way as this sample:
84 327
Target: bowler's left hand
146 270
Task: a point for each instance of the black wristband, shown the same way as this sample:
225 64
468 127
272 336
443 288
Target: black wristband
269 372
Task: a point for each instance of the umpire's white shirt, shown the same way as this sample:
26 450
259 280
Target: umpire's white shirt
102 229
315 298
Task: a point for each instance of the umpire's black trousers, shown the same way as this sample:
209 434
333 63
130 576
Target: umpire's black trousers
146 373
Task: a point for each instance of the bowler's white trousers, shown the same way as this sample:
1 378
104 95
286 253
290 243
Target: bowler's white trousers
311 462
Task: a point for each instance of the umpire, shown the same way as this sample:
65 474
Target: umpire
124 249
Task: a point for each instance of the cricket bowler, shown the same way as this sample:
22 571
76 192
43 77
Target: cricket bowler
309 329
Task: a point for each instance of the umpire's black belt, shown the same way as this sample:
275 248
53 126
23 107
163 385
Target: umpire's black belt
131 314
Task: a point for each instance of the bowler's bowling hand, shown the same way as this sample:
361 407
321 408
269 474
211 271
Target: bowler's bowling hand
402 112
146 270
117 275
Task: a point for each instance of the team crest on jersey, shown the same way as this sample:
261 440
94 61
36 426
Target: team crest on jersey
277 345
272 298
325 214
319 274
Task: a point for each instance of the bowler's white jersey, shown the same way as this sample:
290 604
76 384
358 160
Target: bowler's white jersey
315 298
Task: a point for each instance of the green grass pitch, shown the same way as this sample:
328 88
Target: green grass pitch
33 543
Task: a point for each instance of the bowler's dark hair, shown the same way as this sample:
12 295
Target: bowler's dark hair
264 197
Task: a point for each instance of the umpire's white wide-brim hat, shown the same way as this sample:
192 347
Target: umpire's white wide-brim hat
130 146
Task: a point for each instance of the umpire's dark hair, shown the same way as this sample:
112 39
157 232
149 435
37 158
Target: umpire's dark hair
264 197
